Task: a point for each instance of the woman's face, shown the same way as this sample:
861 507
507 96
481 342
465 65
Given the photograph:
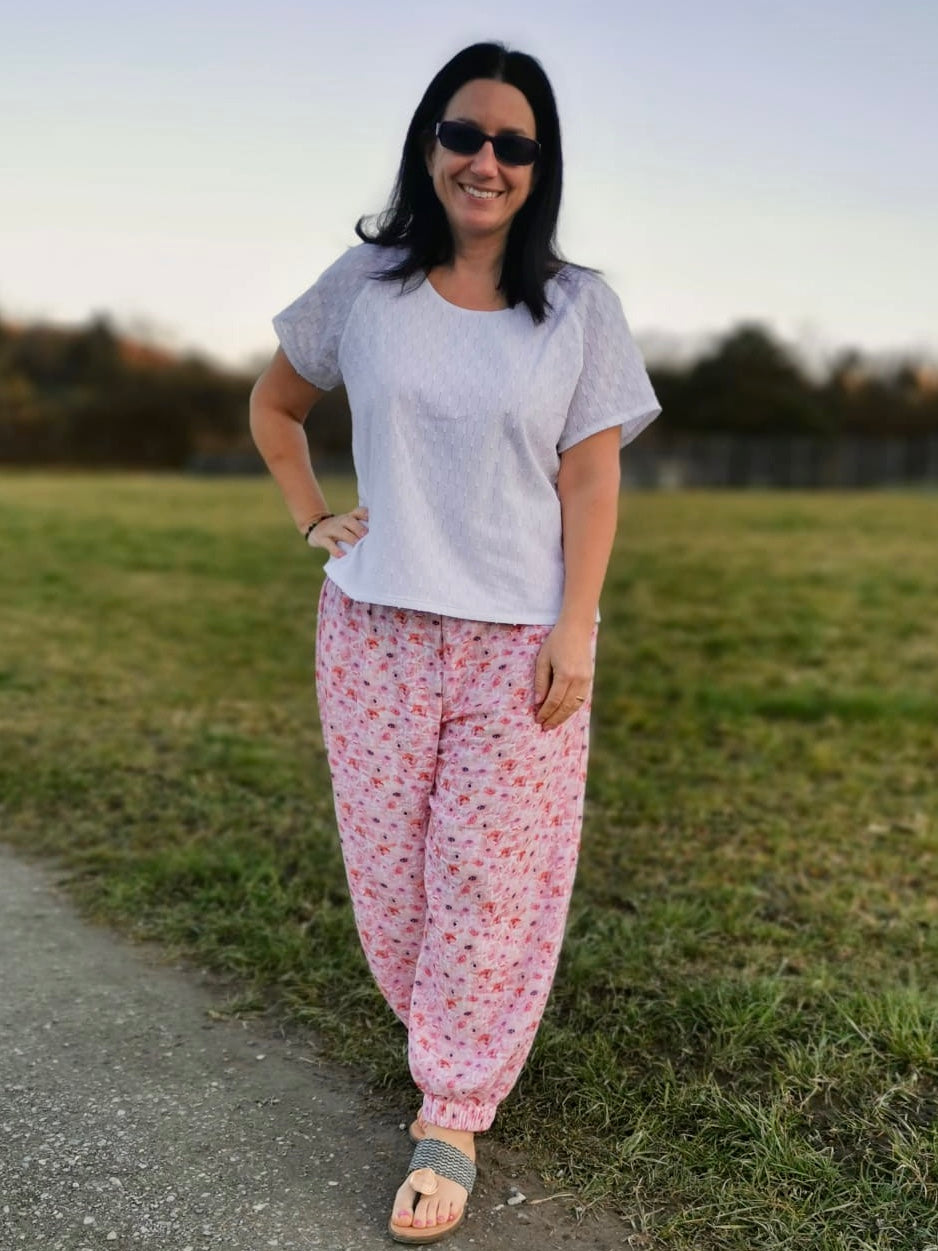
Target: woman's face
493 107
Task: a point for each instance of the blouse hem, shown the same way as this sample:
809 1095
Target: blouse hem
405 601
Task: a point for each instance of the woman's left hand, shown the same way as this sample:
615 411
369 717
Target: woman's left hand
563 672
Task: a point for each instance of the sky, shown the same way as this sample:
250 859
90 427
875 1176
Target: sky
191 167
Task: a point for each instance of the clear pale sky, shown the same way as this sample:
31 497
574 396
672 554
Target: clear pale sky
192 166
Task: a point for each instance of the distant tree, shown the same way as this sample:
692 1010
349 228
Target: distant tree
90 397
138 422
751 384
329 425
875 402
93 354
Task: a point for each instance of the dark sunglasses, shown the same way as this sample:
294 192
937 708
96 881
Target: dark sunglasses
467 141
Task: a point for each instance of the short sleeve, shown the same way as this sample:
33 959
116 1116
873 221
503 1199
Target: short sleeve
310 329
613 388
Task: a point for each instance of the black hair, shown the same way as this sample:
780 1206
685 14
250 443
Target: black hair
415 218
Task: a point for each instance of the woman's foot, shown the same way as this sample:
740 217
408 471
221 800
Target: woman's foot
426 1212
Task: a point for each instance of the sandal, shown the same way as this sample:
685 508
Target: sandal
431 1160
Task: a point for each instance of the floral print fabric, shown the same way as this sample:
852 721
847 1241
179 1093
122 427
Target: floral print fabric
459 819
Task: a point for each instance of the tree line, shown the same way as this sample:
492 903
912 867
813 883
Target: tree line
88 396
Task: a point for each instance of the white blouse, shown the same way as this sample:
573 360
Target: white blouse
458 421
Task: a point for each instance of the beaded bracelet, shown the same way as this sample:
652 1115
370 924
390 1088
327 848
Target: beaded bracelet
313 524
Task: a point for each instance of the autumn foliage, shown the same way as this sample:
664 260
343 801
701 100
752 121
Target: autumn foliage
89 397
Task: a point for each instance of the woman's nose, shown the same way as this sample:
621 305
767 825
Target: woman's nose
484 161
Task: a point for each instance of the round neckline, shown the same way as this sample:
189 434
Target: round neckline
476 312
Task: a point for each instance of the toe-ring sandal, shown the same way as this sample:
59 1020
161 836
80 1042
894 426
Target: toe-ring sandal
431 1160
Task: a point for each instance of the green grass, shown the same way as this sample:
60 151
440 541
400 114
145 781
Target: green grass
741 1050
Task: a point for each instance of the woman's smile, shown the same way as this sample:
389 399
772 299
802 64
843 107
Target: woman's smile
479 193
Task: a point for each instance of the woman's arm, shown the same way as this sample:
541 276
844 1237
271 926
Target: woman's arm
588 486
280 403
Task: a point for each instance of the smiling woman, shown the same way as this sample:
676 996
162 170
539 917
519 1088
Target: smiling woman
488 135
480 191
491 386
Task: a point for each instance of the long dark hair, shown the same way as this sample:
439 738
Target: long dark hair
415 219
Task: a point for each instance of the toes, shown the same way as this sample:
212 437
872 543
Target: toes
404 1206
421 1214
440 1211
423 1211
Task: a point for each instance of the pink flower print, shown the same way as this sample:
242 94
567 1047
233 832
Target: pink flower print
428 711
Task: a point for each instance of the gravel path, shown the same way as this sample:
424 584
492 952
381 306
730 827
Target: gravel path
131 1117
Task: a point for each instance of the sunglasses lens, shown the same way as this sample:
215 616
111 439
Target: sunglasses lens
467 140
515 149
458 137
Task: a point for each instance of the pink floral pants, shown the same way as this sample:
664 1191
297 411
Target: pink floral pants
459 819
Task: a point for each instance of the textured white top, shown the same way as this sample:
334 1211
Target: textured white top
458 421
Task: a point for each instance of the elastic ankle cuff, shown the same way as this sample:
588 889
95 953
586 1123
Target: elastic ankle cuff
454 1114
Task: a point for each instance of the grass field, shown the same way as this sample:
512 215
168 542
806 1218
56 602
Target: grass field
741 1050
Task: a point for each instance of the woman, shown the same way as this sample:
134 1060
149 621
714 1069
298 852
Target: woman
491 387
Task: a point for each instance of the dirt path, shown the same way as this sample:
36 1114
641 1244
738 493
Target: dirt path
130 1117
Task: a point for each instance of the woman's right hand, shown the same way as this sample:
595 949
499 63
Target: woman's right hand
344 527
